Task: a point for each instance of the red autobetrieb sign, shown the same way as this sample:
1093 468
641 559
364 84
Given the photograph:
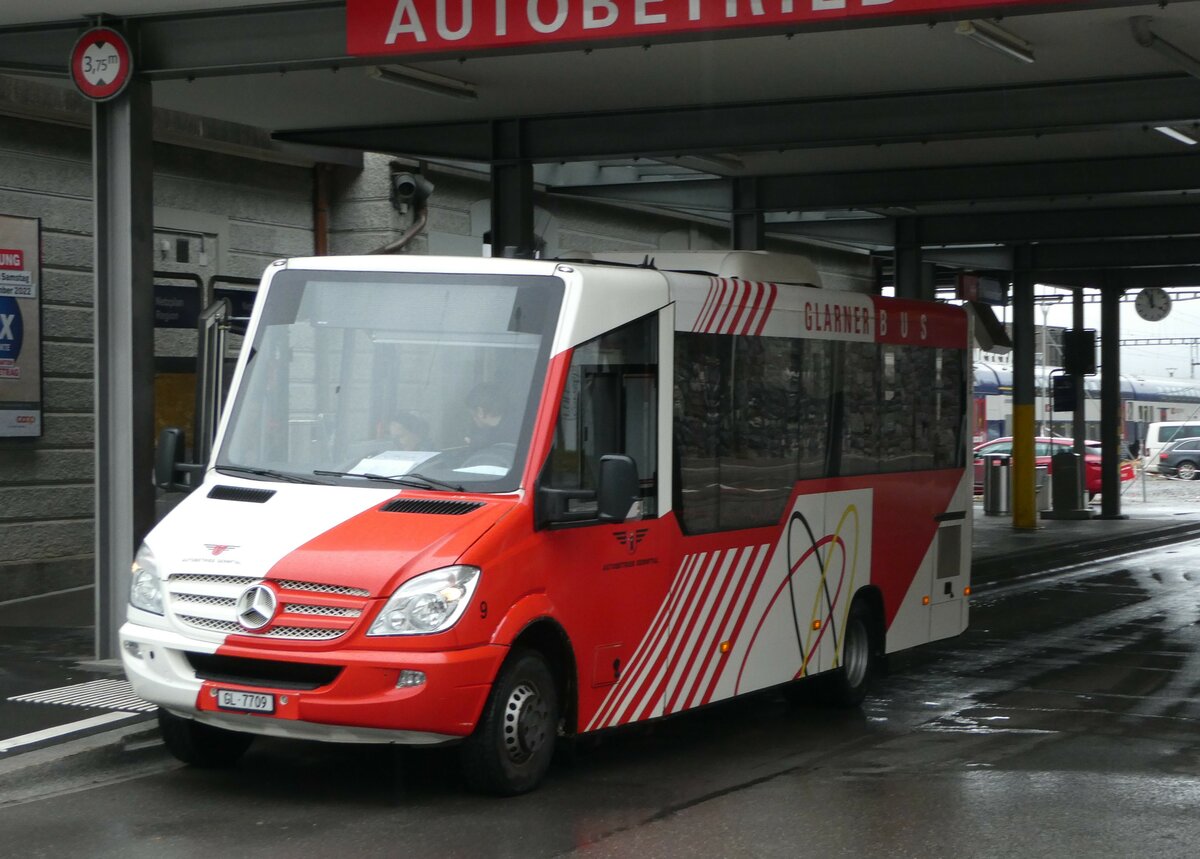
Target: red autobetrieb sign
413 26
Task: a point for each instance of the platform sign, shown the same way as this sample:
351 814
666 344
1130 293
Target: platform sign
985 290
20 327
376 27
101 64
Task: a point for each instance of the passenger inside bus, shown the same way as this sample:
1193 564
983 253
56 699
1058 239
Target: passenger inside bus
408 431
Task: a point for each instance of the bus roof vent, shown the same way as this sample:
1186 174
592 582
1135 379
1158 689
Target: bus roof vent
240 493
430 506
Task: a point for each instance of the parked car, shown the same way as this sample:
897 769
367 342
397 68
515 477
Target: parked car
1180 459
1044 449
1162 433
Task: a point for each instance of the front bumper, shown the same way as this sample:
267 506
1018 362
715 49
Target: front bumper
362 704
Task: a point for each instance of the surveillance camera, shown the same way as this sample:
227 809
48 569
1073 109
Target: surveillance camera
409 188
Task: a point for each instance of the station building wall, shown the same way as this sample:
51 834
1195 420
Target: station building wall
226 214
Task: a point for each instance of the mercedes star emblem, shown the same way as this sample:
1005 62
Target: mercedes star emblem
256 607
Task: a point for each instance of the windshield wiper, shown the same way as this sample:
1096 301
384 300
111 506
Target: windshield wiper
416 475
264 472
417 481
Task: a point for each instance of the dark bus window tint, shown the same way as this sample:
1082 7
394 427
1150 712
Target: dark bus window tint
813 408
755 414
907 408
751 418
699 401
950 408
758 462
861 410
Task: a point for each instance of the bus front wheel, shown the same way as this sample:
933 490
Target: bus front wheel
201 745
512 745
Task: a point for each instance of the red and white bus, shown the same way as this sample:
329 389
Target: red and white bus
495 502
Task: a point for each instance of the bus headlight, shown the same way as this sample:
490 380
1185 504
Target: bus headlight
145 586
432 602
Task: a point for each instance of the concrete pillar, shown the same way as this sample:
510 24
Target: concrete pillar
122 158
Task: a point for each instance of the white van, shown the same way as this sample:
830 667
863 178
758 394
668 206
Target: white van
1162 433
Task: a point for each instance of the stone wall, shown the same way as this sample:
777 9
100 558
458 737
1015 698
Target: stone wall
253 211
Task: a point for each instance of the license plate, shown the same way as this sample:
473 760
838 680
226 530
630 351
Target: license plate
254 702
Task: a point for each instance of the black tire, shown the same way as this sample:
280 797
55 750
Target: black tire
1186 470
513 744
201 745
847 685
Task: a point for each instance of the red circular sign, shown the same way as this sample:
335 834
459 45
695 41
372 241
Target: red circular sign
101 64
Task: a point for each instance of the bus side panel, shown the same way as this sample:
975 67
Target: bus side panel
743 610
934 605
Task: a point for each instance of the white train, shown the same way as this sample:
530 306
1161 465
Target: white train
1144 400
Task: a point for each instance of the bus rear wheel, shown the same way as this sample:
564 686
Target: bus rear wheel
846 686
511 748
201 745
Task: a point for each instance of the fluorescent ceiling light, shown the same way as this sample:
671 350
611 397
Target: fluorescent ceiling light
1175 135
424 81
1147 38
997 38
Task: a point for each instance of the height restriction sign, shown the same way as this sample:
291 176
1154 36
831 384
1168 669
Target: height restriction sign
101 64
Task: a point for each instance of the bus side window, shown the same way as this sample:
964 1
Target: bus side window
609 406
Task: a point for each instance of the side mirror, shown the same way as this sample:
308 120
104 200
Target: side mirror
169 464
619 491
620 488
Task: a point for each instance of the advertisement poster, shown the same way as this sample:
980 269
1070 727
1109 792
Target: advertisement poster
20 327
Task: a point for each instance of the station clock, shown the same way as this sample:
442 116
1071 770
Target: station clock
1153 303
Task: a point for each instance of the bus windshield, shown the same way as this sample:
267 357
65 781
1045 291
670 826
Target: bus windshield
391 374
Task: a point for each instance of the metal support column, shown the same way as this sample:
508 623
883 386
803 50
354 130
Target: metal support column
1110 401
122 161
914 278
1079 416
512 210
747 226
1024 491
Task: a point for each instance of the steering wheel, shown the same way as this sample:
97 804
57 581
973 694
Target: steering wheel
499 455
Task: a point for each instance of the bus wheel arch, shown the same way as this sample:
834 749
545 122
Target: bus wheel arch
530 703
550 639
863 646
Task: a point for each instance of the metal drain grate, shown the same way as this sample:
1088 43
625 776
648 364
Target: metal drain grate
100 694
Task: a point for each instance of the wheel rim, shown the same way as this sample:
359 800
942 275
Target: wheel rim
856 653
1187 471
526 723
